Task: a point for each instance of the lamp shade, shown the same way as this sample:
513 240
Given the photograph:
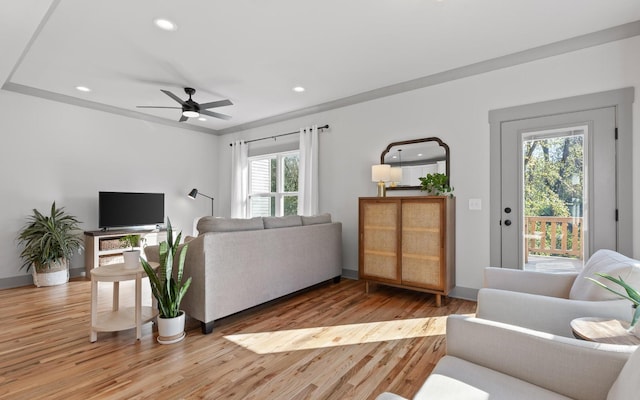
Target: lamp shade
381 173
193 193
396 174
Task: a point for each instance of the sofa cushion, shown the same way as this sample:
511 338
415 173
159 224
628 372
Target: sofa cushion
609 262
282 222
627 386
212 224
317 219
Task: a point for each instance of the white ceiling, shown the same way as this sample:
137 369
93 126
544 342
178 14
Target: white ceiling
254 52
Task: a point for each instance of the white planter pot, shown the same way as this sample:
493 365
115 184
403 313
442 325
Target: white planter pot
56 274
131 259
171 330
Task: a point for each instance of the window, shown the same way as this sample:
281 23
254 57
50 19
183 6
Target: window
273 184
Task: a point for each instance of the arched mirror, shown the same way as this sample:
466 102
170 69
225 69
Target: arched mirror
415 158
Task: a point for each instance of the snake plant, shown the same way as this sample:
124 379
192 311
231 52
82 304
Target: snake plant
167 288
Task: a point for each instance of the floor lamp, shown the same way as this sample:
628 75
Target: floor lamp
194 193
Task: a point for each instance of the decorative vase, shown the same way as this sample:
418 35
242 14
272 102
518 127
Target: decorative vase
131 259
171 330
57 273
634 325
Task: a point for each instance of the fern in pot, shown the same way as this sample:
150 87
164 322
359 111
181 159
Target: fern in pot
168 288
49 243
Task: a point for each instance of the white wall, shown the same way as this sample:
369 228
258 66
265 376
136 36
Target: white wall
57 152
457 112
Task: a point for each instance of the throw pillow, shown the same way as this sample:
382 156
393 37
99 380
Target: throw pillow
212 224
282 222
608 262
317 219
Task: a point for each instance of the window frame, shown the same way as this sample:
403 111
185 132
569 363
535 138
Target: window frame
279 195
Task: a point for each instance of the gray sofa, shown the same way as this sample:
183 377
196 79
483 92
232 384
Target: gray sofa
237 264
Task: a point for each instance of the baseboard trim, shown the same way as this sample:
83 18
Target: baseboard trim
27 280
464 293
350 274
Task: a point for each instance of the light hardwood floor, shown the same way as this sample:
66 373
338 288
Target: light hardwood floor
331 342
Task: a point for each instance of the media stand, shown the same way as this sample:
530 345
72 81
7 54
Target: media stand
104 247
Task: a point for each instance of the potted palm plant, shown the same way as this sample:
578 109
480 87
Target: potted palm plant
131 256
49 243
167 287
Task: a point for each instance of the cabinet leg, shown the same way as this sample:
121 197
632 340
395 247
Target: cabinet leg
438 300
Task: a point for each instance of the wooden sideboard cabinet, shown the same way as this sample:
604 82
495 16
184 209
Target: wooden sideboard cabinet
408 242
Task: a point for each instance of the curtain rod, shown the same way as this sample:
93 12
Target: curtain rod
282 134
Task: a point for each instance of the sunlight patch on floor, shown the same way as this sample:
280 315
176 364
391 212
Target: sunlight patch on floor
341 335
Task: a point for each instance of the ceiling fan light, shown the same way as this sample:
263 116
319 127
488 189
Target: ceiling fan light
191 114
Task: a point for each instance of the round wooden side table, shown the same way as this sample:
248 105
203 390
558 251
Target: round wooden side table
603 330
119 319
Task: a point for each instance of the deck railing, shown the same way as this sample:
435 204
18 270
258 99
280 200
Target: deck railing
554 236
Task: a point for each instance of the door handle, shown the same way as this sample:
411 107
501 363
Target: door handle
507 210
507 222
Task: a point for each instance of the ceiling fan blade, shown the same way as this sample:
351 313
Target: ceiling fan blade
157 107
173 96
183 118
214 104
215 114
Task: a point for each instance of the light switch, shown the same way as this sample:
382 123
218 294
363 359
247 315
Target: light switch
475 204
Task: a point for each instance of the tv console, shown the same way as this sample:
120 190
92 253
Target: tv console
104 247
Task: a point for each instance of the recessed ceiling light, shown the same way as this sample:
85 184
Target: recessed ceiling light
83 88
298 89
202 119
419 154
165 24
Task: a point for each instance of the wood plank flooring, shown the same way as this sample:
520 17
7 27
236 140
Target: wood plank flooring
331 342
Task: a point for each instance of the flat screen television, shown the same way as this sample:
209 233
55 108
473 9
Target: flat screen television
126 209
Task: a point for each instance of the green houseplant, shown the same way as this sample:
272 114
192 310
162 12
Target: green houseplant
49 243
168 288
436 184
131 256
632 294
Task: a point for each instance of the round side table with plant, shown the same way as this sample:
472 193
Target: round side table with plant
632 294
169 289
49 243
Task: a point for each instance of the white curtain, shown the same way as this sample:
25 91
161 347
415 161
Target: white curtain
308 172
239 179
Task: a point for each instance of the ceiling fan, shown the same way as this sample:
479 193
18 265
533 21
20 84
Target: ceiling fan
191 109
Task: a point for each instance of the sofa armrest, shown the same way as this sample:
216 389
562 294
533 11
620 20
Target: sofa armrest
571 367
535 282
544 313
152 253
